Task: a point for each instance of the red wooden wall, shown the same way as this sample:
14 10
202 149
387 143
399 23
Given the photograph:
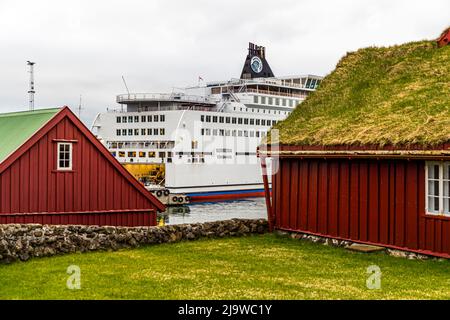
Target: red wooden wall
370 201
31 184
125 219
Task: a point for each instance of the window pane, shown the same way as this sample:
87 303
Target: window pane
447 205
447 172
433 188
446 188
433 204
433 171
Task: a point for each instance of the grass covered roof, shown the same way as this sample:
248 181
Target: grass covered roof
397 95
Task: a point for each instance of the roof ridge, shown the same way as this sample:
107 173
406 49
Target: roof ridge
37 111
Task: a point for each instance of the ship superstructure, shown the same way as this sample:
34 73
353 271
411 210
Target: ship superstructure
202 140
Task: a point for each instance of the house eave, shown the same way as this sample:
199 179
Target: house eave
365 154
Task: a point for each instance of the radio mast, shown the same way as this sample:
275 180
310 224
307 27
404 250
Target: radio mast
79 108
31 90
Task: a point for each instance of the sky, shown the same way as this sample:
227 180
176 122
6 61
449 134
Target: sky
85 47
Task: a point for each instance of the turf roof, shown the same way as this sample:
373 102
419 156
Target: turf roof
397 95
16 128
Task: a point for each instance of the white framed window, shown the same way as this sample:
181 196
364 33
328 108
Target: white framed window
64 161
437 188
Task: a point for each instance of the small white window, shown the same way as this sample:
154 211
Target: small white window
438 188
64 156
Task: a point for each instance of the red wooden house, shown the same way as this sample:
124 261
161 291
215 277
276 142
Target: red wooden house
367 157
444 39
54 171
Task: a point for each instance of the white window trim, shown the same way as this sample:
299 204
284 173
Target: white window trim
441 188
58 156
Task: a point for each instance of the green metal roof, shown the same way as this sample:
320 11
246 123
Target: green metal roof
17 127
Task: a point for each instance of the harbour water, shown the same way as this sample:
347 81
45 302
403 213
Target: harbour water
249 208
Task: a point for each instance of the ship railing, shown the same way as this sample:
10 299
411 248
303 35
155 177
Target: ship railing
163 97
204 108
283 94
278 82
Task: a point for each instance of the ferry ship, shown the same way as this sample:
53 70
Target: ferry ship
201 140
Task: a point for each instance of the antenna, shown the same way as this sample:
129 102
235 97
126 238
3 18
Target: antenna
31 90
79 108
125 83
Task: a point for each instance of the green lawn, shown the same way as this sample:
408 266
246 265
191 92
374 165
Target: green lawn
254 267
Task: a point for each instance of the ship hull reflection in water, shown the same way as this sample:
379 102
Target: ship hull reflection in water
251 208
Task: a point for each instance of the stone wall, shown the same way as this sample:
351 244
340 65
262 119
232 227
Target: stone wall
24 241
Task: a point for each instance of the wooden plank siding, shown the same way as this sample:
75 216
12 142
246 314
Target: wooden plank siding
127 219
94 192
370 201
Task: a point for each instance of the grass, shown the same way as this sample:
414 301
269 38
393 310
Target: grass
255 267
397 95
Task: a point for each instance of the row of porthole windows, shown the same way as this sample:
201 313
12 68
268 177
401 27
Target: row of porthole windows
144 118
235 120
165 157
141 154
142 132
263 110
275 101
232 133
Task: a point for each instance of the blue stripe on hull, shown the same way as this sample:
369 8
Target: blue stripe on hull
218 193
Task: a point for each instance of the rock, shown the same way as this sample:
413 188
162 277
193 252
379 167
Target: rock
38 233
24 256
190 236
244 229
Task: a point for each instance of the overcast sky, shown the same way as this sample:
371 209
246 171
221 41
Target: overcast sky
84 47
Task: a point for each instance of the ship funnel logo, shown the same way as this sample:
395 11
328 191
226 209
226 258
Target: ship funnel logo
256 64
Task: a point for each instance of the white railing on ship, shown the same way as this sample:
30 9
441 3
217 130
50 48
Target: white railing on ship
162 97
275 93
279 82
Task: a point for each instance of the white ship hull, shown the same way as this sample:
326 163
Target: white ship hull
215 181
